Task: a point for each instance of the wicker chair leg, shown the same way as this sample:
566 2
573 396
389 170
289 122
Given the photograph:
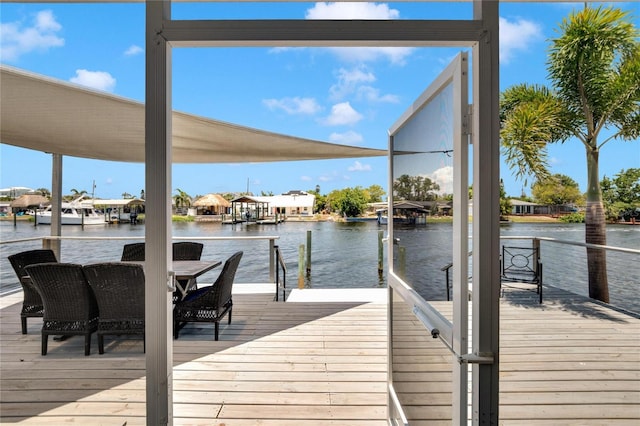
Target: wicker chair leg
87 344
230 310
45 340
217 329
23 320
100 344
176 329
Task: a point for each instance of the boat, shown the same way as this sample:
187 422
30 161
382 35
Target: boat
76 212
119 210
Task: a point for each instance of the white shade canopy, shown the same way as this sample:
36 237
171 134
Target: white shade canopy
49 115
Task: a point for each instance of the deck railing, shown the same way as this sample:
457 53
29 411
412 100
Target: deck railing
623 267
281 279
97 253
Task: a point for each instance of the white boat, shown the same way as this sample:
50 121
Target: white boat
76 212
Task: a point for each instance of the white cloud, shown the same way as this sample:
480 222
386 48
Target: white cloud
349 81
133 50
342 114
517 36
372 94
361 10
16 40
444 178
305 178
100 80
347 138
296 105
359 167
395 55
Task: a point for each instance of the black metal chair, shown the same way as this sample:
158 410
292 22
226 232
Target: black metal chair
210 303
186 250
119 291
32 306
70 307
133 252
521 265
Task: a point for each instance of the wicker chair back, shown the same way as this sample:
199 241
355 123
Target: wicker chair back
70 307
32 302
119 291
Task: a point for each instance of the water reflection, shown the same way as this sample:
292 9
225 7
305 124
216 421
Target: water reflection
344 255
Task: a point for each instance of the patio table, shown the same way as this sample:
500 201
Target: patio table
188 270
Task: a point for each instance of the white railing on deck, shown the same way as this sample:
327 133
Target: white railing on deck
49 242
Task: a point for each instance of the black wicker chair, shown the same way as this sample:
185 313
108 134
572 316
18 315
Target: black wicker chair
32 304
133 252
70 308
210 303
186 250
119 291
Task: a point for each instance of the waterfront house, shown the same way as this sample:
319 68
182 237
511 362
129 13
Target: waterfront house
523 208
292 203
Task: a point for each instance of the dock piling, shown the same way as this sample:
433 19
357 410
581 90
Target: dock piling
301 266
308 252
380 252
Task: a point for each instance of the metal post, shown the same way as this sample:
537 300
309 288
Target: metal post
536 254
56 203
486 215
272 260
158 318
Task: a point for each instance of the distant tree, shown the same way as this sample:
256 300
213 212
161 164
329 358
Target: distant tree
126 195
349 202
505 203
74 194
415 188
182 199
375 193
320 201
557 190
622 193
266 194
44 191
593 66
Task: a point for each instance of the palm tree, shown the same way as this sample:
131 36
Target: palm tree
182 199
74 194
594 67
44 191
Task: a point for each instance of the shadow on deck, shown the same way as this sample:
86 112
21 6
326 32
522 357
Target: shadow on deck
567 361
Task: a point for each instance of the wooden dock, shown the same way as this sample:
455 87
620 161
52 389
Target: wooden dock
568 361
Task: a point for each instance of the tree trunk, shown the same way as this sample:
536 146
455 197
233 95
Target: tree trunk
595 231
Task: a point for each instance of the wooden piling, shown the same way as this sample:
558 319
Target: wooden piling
380 253
301 266
308 252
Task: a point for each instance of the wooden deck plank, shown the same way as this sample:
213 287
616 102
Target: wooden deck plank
567 361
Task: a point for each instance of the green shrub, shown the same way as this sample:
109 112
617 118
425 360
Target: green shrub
572 218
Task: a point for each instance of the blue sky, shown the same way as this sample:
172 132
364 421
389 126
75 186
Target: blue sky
349 96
